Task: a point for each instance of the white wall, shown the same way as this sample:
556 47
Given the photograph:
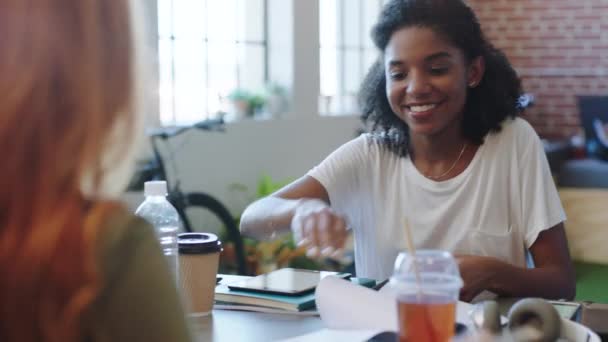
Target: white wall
284 149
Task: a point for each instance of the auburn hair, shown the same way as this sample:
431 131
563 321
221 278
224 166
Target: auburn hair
66 79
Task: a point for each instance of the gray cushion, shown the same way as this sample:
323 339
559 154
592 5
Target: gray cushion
584 173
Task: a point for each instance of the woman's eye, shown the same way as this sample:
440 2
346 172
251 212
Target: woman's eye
438 70
397 75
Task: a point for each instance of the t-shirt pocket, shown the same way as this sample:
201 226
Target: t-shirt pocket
497 243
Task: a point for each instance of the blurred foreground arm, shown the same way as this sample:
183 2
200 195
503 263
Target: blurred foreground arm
140 301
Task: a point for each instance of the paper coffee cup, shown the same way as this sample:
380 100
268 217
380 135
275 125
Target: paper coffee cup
199 255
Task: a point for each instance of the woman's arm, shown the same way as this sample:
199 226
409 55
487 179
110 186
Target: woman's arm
303 207
273 214
552 278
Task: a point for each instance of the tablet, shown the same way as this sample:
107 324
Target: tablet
286 281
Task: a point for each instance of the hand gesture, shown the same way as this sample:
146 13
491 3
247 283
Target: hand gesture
319 228
475 272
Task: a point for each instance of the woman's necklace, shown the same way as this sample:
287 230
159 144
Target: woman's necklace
464 147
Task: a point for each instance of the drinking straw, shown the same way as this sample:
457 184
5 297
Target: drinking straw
412 251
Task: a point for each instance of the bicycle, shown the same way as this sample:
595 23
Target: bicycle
155 170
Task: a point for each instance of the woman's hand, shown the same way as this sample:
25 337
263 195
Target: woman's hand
476 273
551 278
318 228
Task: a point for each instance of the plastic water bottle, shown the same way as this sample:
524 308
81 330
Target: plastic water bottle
159 212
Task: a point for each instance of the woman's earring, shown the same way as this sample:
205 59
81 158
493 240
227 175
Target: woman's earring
472 84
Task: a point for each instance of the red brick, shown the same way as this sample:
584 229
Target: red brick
502 9
554 17
570 47
490 18
588 61
555 57
551 37
588 37
567 8
590 18
563 35
535 7
518 37
534 47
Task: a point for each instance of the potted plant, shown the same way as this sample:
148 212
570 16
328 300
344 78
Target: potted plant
239 105
244 103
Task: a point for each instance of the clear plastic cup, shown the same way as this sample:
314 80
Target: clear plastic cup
426 306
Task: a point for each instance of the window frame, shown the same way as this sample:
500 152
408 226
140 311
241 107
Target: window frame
239 43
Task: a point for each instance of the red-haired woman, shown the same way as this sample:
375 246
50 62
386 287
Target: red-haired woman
74 265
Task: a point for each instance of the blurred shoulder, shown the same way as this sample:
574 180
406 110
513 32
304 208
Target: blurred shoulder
359 146
360 142
379 142
120 232
117 223
518 129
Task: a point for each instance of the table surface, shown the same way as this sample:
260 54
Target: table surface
231 325
234 326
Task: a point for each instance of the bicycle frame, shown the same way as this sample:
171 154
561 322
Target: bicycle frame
181 201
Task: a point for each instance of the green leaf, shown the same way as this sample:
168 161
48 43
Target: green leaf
304 263
267 186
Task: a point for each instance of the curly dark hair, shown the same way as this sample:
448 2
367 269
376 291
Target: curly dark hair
487 105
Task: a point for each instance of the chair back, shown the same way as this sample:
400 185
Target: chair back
592 109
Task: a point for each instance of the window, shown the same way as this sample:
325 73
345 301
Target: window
346 51
208 48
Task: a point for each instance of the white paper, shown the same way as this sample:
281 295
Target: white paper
344 305
362 312
332 335
572 331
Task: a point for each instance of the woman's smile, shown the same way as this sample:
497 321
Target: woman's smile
421 111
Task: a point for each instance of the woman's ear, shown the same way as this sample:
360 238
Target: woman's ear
476 71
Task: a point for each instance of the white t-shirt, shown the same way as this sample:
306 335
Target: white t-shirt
496 207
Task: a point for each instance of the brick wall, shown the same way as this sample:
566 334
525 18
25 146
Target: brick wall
560 50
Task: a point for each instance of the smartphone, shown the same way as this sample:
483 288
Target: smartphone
567 310
286 281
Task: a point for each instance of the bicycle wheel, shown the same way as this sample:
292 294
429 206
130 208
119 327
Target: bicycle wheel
205 201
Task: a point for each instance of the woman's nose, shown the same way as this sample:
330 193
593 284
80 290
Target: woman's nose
417 84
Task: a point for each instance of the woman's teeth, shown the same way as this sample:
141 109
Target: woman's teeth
422 108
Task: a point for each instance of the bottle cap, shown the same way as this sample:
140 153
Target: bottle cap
155 188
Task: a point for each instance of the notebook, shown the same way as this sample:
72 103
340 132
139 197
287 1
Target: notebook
225 297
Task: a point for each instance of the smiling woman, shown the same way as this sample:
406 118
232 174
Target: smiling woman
462 54
445 151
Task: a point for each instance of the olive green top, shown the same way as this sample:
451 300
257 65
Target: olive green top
139 300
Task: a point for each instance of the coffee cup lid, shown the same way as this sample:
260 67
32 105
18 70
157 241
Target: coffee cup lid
198 243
